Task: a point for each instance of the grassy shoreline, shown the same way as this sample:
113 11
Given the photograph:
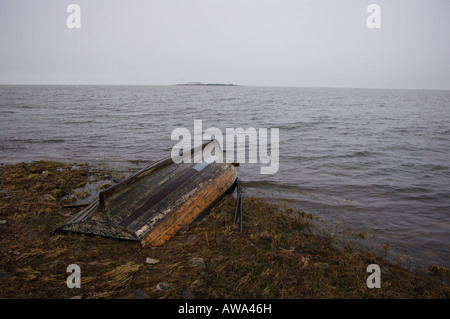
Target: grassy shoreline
279 254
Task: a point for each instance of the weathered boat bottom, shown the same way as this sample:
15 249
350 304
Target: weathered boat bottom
156 202
192 210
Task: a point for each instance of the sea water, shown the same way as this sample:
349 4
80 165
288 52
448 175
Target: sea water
373 159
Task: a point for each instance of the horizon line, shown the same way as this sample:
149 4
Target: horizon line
234 85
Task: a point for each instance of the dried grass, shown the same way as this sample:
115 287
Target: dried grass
279 254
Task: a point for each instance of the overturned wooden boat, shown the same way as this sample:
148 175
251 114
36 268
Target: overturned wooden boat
157 201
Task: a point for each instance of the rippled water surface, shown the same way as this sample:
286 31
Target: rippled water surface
376 160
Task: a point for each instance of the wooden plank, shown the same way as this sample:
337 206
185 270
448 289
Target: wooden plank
159 196
189 210
177 198
103 195
121 205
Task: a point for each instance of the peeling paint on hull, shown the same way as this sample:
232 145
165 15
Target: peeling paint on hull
155 203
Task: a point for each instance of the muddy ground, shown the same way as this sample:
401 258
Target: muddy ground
279 253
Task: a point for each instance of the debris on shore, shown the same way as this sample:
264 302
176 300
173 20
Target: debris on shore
278 254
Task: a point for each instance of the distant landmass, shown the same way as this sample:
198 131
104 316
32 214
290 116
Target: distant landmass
205 84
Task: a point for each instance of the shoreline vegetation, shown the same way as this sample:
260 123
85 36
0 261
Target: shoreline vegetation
278 255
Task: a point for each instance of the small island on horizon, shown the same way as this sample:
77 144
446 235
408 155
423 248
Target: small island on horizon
205 84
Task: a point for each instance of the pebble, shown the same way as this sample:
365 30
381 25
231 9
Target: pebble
197 262
3 222
140 294
187 294
45 173
191 238
164 286
151 261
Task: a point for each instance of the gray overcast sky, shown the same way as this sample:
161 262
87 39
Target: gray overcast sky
313 43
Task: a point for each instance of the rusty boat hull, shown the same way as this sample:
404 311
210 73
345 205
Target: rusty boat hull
155 203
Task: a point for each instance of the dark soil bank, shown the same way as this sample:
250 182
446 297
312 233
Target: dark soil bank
279 254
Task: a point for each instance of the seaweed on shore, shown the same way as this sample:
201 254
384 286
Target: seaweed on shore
278 255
